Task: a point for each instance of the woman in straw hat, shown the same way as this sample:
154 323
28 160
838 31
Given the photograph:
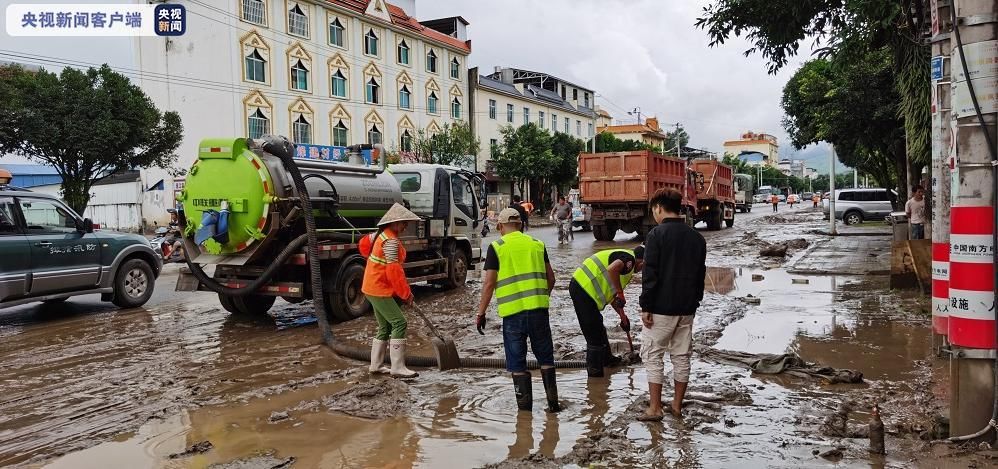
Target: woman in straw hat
384 280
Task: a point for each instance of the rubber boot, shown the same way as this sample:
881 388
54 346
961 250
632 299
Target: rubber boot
551 389
378 349
595 360
397 353
612 361
524 392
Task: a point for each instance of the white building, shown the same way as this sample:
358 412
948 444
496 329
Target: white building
332 72
514 97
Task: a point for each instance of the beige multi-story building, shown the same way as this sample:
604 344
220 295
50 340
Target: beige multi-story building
514 97
322 72
752 143
649 133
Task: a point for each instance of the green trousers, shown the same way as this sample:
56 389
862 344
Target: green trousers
391 321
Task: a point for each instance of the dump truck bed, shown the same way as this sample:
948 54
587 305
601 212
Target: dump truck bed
631 176
717 180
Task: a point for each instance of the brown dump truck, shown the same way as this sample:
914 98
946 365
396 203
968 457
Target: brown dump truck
618 185
715 193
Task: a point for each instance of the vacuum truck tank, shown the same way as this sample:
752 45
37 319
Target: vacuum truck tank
242 215
258 192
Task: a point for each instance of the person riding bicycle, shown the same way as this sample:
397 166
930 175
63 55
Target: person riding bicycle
562 215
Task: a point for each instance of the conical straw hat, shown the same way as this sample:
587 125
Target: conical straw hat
398 212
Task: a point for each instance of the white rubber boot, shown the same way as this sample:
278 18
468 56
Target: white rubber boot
378 348
397 353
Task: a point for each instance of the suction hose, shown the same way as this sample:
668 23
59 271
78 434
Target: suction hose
364 354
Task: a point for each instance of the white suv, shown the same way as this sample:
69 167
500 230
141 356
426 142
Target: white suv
854 206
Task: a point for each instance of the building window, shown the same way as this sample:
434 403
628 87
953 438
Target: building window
255 11
431 103
258 124
374 135
340 133
372 89
431 62
563 92
455 108
403 53
494 148
554 122
590 129
256 67
297 22
567 120
301 130
578 128
371 43
405 141
336 31
526 115
492 109
404 95
575 94
509 113
299 76
586 96
455 69
540 119
339 84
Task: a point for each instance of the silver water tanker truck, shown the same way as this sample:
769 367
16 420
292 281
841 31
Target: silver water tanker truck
243 215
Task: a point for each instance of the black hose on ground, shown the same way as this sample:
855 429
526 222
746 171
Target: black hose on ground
364 354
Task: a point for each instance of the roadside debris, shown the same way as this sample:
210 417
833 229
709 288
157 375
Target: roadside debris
200 447
774 250
278 417
789 363
876 432
376 399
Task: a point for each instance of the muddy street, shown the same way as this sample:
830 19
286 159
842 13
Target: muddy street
85 385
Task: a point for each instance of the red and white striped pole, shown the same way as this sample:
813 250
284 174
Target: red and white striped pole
972 277
943 148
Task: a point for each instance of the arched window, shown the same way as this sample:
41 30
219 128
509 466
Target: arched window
299 76
301 130
431 61
339 84
371 43
340 133
455 69
297 21
431 103
258 124
404 98
256 67
336 32
374 135
405 141
403 53
373 89
455 108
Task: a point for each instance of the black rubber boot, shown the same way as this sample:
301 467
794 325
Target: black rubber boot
595 359
524 392
551 389
612 361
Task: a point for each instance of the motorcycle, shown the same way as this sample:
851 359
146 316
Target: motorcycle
164 243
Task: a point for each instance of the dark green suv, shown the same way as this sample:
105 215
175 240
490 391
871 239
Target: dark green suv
49 253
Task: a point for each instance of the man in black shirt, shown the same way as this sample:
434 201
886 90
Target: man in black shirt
671 290
517 204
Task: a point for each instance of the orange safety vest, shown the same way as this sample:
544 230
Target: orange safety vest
382 278
774 199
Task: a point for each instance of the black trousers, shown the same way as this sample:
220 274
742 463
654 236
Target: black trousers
590 318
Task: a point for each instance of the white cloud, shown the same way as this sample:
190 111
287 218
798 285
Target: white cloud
644 53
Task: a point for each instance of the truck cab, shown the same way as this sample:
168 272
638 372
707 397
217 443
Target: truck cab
451 197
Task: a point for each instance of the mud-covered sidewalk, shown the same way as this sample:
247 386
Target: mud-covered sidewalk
182 384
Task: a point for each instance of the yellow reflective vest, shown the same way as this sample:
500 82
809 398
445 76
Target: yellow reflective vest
594 277
522 283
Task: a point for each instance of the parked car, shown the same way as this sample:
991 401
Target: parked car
854 206
782 197
760 198
49 253
793 199
807 196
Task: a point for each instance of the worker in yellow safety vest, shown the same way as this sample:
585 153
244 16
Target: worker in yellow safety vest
519 274
598 282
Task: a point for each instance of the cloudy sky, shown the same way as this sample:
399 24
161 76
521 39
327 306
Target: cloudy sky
634 53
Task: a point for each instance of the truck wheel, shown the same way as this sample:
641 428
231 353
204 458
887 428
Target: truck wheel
603 233
253 305
345 301
133 284
587 227
714 220
227 303
457 269
730 222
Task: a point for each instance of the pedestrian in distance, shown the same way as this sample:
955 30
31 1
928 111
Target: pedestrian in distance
598 282
815 199
519 274
775 199
672 287
915 210
561 213
384 285
517 204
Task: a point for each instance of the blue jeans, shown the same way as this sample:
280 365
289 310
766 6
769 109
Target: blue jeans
515 331
917 231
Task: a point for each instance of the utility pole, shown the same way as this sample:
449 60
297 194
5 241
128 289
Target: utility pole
637 111
971 323
855 178
831 194
942 147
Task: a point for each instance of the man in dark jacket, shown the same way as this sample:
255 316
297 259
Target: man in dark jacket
671 291
517 204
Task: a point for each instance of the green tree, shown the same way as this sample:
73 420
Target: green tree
87 124
566 150
676 137
847 30
607 142
454 145
524 154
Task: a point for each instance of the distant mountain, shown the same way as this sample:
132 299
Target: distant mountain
814 156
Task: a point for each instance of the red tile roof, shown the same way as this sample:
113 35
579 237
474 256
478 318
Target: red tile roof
400 18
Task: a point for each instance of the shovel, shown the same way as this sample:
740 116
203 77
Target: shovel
443 347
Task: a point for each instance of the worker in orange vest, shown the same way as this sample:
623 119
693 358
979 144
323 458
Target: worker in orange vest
384 281
815 199
775 199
